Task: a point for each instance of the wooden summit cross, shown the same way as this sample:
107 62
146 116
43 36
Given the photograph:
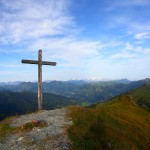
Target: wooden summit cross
40 63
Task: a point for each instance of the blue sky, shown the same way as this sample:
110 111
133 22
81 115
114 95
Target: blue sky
87 38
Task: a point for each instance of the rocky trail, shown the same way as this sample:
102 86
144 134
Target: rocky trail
51 137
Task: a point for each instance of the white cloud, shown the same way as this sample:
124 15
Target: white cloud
24 20
69 50
12 51
133 68
132 48
147 51
139 31
142 35
136 49
129 51
124 55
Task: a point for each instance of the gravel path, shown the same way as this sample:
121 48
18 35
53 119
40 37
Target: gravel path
52 137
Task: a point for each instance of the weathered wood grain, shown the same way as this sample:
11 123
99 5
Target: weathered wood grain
40 80
36 62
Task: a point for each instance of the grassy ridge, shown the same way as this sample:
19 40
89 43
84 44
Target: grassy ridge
141 96
119 124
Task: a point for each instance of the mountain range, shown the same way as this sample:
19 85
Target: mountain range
22 97
90 92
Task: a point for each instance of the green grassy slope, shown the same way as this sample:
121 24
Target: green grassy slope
117 124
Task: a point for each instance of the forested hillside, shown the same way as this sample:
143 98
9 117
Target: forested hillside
12 103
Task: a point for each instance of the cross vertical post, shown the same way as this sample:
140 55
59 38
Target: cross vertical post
40 80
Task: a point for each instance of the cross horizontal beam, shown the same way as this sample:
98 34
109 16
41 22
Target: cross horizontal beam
37 62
